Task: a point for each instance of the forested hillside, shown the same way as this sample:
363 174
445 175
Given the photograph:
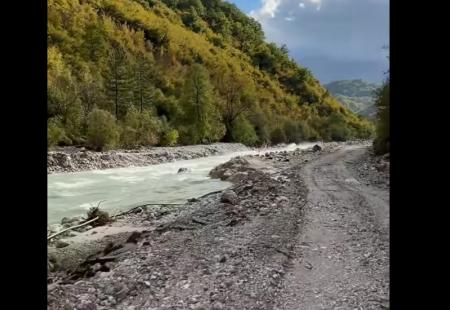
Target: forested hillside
125 73
356 95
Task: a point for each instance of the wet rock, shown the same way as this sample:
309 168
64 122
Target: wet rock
74 220
230 197
61 244
237 177
230 168
105 157
316 148
183 170
218 306
281 200
54 228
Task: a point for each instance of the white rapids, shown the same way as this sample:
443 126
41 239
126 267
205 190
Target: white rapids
72 194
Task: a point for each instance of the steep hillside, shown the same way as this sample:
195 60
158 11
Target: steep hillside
356 95
128 73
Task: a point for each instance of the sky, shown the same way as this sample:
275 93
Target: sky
335 39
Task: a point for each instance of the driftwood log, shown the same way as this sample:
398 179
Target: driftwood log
71 228
124 213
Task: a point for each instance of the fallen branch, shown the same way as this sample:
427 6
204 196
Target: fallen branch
71 228
198 221
147 204
211 193
126 212
102 259
163 204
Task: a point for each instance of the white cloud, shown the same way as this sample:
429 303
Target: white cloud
268 9
336 38
318 3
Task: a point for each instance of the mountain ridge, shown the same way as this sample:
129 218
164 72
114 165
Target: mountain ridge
356 94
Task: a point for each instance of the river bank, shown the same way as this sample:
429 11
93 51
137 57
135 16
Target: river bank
72 159
171 237
228 250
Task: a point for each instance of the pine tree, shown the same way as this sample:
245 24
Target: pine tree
144 88
119 82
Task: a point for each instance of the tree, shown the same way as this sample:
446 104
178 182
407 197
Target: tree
295 132
139 128
244 132
144 88
278 136
337 128
238 98
102 130
63 95
261 125
94 45
91 91
200 115
55 132
119 81
381 143
192 20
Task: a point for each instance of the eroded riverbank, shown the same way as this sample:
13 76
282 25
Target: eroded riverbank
71 159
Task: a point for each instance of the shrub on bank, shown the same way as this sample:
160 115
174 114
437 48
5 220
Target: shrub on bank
102 130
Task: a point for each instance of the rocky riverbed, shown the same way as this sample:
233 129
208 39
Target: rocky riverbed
237 249
72 159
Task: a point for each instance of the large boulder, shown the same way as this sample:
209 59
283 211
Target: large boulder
230 197
316 148
183 170
230 168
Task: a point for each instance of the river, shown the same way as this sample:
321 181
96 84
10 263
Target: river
72 194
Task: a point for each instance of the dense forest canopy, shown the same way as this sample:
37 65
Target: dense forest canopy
125 73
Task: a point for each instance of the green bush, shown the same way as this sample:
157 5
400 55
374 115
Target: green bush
102 131
170 137
381 143
295 132
244 132
128 137
278 136
338 129
56 133
339 133
139 128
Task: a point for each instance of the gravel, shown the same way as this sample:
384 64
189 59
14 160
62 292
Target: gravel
254 246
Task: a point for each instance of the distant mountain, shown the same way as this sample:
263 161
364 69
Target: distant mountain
356 95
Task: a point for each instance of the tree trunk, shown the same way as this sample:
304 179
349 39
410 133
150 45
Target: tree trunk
228 132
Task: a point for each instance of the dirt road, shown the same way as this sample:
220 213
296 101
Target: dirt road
341 254
308 232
